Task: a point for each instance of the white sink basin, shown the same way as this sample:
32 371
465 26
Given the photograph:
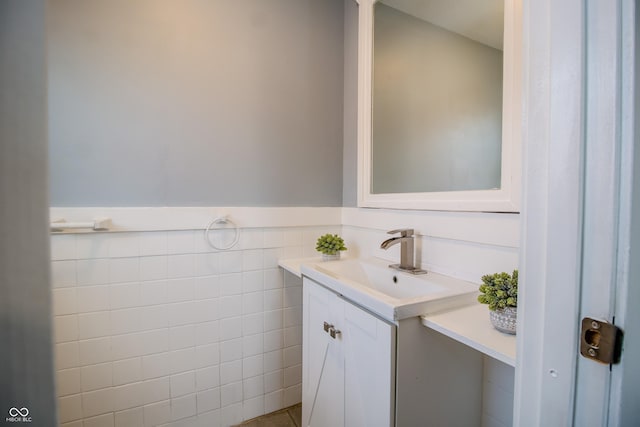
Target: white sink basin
392 294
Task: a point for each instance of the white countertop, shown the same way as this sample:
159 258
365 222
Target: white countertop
293 265
470 325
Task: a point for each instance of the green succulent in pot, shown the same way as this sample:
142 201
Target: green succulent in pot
330 244
499 290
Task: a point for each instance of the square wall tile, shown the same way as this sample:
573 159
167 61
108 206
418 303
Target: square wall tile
124 245
231 393
252 408
273 340
273 238
97 402
63 246
230 328
252 366
94 245
252 260
207 264
128 396
207 287
180 290
63 274
273 401
207 378
153 267
94 325
207 355
183 407
124 296
156 390
95 377
230 262
123 270
68 382
231 372
208 400
67 355
127 371
273 279
182 360
231 284
252 303
292 395
157 413
129 418
182 337
253 324
292 375
152 293
65 301
231 414
252 281
70 408
252 387
65 328
273 381
92 272
180 242
230 306
153 243
231 350
182 384
93 298
252 345
180 266
208 332
94 351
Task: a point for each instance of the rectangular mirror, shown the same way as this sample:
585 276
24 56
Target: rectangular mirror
439 102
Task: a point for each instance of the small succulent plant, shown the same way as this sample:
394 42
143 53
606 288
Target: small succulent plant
330 244
499 290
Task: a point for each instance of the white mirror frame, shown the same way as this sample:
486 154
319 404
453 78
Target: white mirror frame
507 198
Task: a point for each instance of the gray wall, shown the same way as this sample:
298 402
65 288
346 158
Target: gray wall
437 108
190 102
350 149
26 360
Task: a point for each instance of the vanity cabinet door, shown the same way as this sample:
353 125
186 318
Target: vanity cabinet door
369 367
322 359
347 379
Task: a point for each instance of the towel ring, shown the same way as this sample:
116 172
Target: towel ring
218 221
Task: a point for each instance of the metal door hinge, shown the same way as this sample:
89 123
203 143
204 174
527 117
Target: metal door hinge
600 341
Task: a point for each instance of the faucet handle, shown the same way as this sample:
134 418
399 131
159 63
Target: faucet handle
404 232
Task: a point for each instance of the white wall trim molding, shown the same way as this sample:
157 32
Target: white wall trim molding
197 218
477 227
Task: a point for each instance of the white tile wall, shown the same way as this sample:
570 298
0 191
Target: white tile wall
155 328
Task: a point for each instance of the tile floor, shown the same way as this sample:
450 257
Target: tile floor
287 417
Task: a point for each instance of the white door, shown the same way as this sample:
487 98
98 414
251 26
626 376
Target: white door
581 221
322 359
369 353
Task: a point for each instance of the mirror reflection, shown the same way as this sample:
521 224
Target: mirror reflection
437 96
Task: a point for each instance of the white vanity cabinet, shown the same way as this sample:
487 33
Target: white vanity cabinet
348 363
381 373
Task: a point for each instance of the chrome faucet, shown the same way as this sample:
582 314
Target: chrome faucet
406 250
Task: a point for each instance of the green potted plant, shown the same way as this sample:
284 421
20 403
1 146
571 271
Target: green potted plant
330 246
500 292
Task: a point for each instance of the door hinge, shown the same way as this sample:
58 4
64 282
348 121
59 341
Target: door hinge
600 341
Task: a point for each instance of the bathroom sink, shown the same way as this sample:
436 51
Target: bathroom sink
392 294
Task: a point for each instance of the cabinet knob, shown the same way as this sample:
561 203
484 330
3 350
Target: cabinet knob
333 332
327 326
